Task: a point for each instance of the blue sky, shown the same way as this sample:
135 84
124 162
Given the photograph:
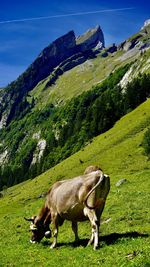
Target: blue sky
22 41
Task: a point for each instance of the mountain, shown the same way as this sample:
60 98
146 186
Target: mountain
67 50
75 90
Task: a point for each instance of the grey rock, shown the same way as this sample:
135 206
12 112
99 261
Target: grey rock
128 45
121 181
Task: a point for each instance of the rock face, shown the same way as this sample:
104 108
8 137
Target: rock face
49 58
39 151
54 54
130 44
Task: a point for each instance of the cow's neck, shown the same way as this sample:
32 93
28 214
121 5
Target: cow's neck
44 215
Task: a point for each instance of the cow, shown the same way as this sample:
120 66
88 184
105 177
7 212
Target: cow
77 199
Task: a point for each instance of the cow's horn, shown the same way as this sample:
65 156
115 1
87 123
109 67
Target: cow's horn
29 219
33 227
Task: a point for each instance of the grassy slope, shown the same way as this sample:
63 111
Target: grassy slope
120 154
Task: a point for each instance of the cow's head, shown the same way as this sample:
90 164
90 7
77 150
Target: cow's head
39 229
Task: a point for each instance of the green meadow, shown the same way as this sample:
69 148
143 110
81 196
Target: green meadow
124 238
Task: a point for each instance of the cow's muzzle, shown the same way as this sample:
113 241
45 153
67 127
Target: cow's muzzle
32 241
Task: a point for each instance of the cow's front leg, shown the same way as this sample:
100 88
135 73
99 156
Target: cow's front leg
75 230
54 244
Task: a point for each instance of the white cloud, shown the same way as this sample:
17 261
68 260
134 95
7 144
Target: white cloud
66 15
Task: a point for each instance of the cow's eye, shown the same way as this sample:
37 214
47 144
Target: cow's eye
35 230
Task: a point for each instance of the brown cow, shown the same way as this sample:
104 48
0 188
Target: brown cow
77 199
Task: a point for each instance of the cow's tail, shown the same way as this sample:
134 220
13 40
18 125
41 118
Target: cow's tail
101 177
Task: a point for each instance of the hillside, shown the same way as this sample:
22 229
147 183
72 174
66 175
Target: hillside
85 90
125 240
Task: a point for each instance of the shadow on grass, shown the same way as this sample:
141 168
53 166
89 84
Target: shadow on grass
107 239
113 238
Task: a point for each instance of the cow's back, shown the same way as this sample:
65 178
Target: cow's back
64 199
67 197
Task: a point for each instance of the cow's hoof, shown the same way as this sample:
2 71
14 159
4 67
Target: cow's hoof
53 246
90 243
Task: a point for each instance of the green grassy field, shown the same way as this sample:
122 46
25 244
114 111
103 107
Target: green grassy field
124 240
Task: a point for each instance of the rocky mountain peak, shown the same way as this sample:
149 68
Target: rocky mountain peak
146 23
91 39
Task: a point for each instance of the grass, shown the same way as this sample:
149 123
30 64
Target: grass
124 241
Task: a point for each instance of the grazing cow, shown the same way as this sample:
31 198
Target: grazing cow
77 199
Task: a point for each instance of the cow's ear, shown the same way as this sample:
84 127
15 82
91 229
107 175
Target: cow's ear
33 227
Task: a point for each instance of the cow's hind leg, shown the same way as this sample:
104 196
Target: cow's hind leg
75 230
94 223
91 239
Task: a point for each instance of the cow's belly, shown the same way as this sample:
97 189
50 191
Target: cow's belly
74 213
